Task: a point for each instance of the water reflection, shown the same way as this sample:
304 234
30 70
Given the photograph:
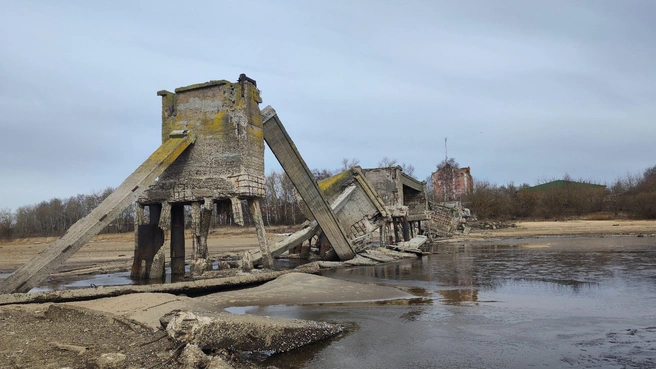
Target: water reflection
123 278
453 297
508 305
458 274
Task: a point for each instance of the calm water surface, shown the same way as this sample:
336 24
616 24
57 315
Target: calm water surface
544 303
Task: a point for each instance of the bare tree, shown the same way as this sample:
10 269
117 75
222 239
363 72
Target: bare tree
320 174
387 162
346 164
408 169
6 223
448 162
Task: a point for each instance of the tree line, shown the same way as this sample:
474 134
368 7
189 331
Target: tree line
633 196
54 217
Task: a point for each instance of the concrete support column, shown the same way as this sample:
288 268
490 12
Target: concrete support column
205 222
395 222
139 219
384 236
157 267
292 162
406 229
154 213
196 252
177 240
254 206
237 214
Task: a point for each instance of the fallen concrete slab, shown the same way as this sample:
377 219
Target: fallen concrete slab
212 331
299 288
146 308
413 244
189 288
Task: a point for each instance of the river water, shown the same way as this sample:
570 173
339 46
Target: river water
543 303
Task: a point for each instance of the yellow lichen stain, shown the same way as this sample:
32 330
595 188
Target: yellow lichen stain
220 124
329 183
216 125
168 151
255 131
169 101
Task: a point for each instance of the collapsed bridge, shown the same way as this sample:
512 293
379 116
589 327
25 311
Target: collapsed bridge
212 155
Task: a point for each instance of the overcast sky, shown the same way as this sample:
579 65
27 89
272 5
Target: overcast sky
524 90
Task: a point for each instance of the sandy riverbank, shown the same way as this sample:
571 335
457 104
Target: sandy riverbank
579 228
115 251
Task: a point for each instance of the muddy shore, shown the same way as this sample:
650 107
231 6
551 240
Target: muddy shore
63 335
113 252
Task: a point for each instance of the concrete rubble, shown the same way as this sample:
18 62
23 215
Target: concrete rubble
211 331
113 360
447 219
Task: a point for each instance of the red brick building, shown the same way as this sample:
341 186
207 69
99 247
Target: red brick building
451 183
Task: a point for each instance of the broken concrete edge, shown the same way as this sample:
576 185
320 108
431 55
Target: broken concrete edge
249 333
187 288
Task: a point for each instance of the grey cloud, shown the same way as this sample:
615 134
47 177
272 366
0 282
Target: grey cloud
522 89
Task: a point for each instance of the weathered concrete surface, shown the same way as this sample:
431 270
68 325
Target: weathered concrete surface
190 287
193 357
300 288
145 307
364 211
28 276
265 253
382 255
292 162
413 244
398 189
228 157
212 331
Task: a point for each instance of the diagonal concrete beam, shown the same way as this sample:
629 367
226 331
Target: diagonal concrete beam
292 162
304 234
32 273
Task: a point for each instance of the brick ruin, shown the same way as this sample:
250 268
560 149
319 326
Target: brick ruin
451 183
